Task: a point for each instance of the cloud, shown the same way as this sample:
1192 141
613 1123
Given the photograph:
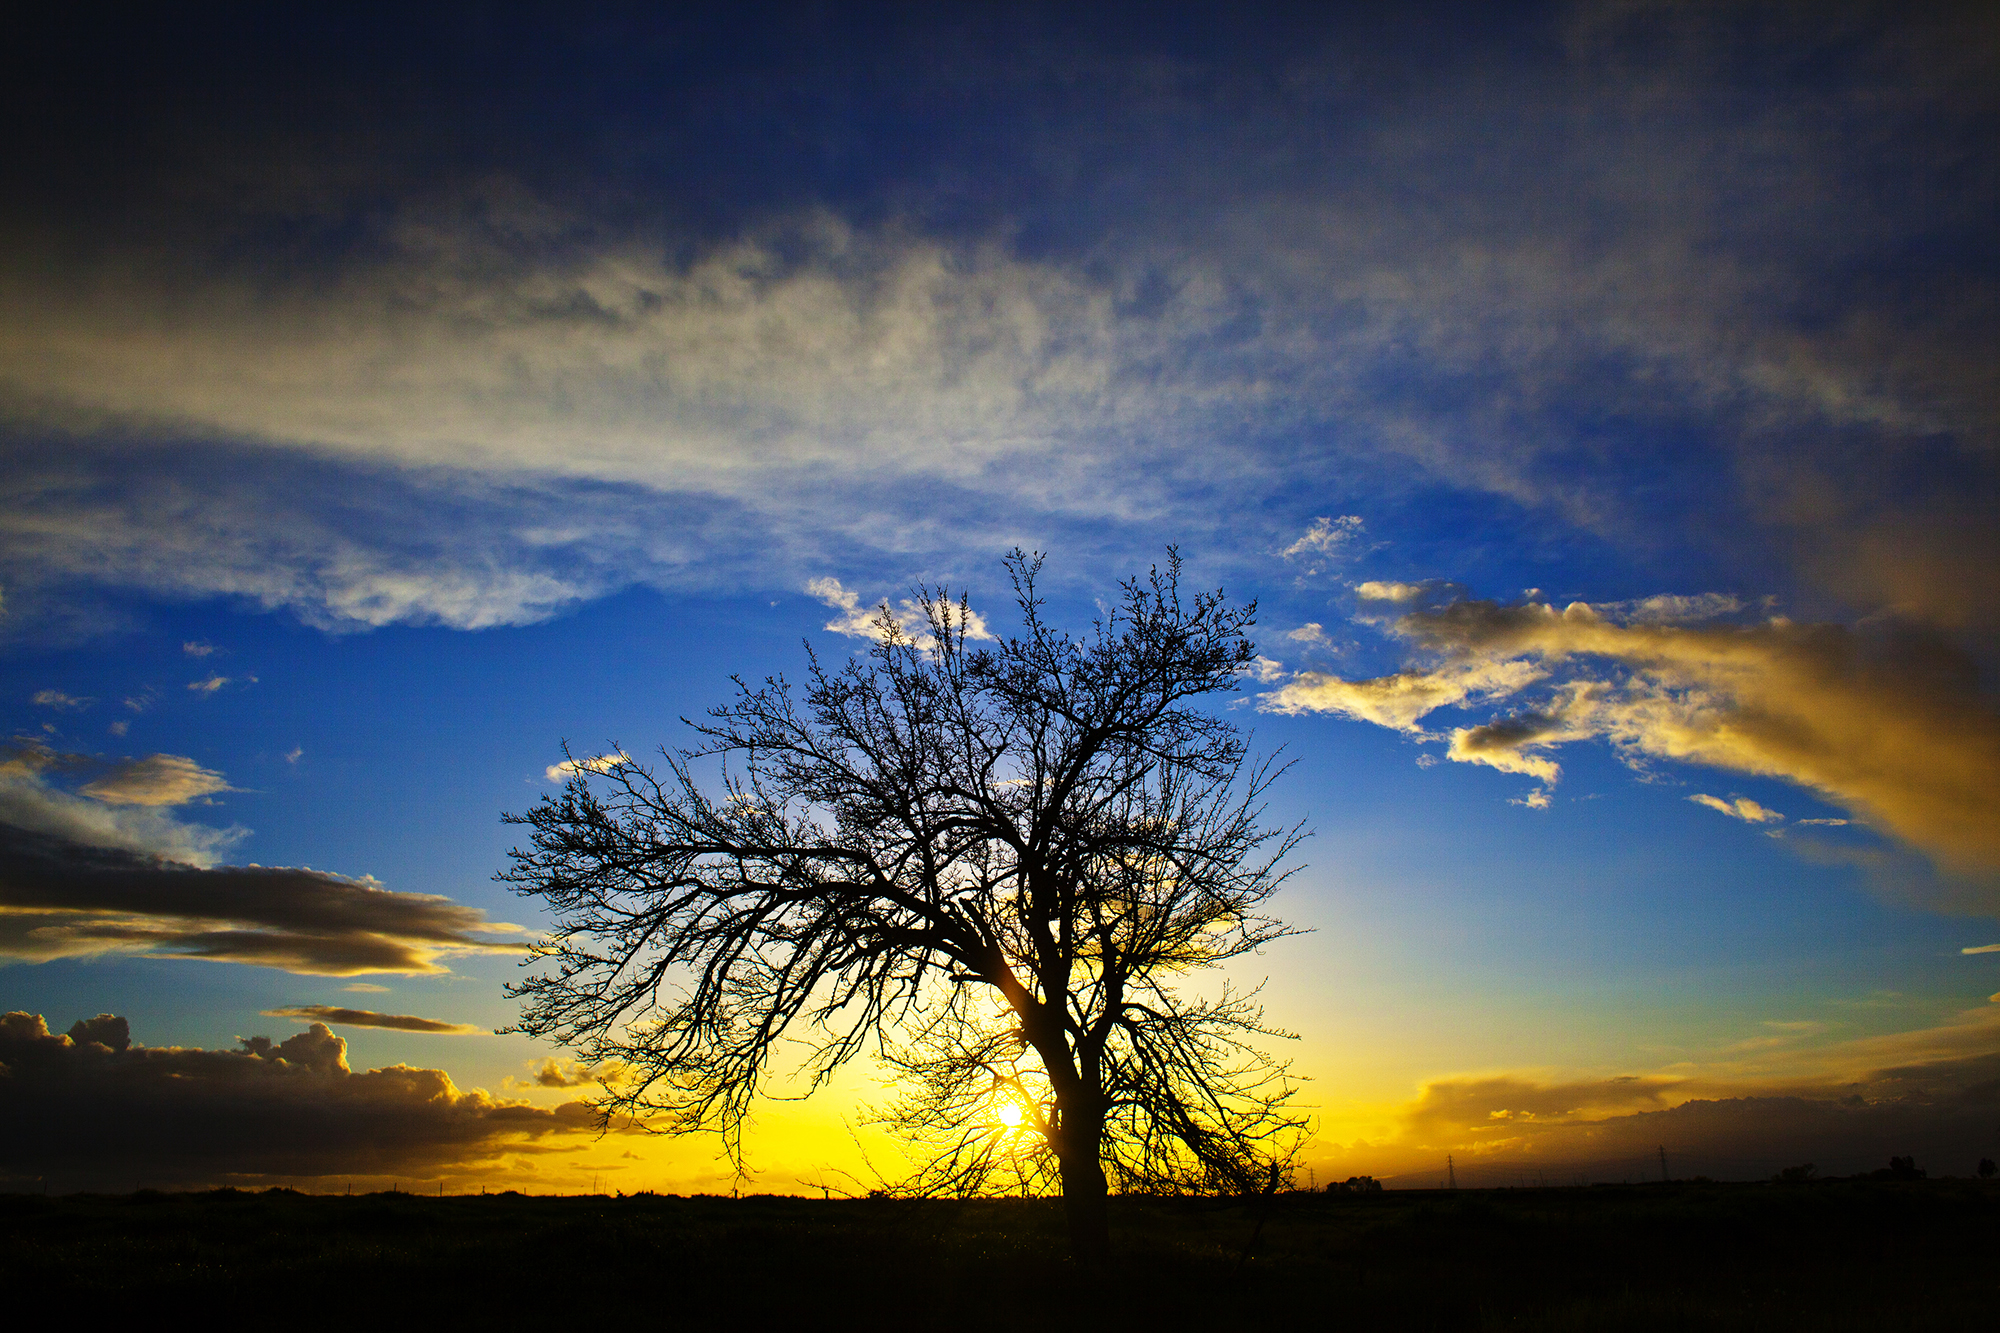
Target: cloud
1889 723
1461 288
196 648
908 620
1774 1102
1328 541
368 1018
1376 590
1743 808
568 1074
1264 670
60 898
92 1110
1399 701
58 700
1313 634
597 763
366 988
29 802
157 779
210 684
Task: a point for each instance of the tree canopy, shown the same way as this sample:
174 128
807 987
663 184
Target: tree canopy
989 861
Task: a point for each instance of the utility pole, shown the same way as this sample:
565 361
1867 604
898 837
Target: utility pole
1663 1163
1451 1170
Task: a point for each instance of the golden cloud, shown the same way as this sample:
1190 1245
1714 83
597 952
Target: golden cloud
1890 725
368 1018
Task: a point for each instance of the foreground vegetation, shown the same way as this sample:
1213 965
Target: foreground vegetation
1873 1255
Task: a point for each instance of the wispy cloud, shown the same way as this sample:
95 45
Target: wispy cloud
1328 542
336 1016
157 779
791 381
1401 701
58 700
210 684
1743 808
1892 726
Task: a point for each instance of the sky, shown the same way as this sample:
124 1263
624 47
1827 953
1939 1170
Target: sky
1598 401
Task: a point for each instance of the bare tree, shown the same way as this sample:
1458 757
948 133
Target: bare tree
990 865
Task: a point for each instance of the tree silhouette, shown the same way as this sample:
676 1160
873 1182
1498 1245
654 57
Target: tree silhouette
990 865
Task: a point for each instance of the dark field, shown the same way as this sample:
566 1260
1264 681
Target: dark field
1869 1255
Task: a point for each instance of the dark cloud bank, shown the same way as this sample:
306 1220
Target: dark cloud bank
60 898
1509 1130
91 1110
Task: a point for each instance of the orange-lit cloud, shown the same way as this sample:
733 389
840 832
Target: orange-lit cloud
1890 725
1743 808
368 1018
63 899
554 1073
157 779
1768 1103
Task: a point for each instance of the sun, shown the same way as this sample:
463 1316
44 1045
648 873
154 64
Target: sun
1010 1114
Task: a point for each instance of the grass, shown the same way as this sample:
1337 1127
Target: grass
1873 1255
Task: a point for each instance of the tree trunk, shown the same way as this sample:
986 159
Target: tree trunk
1084 1199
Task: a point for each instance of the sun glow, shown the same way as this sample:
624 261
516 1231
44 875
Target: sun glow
1010 1114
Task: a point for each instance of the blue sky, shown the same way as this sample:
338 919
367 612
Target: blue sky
1597 400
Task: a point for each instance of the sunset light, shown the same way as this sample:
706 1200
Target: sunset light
1035 606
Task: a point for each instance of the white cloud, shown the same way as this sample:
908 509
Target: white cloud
1743 808
1313 634
596 763
1673 608
1263 670
196 648
1327 541
1376 590
1443 295
58 700
211 684
909 619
